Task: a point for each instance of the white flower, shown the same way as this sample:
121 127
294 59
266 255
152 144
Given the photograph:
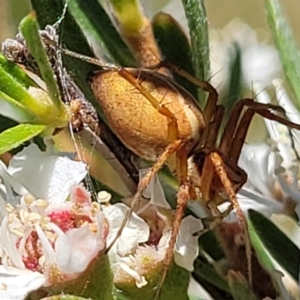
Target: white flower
259 62
260 65
261 162
46 176
59 241
141 248
272 168
264 161
53 241
15 283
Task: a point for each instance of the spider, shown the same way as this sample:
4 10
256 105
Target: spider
161 122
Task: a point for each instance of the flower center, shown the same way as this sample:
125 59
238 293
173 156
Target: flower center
34 227
67 220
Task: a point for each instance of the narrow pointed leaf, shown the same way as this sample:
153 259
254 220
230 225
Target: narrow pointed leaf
284 251
286 45
99 167
29 29
16 72
210 244
209 274
197 21
129 15
15 136
235 81
261 253
175 47
72 37
15 90
95 22
65 297
14 110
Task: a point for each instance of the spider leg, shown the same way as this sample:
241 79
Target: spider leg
145 181
218 165
236 128
212 112
182 198
211 131
230 146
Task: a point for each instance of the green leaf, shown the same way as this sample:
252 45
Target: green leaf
210 275
286 45
261 253
71 36
29 29
14 90
65 297
235 81
210 245
196 16
95 22
16 72
15 136
284 251
175 47
14 110
129 15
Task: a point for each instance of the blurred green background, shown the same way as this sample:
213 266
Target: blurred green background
220 12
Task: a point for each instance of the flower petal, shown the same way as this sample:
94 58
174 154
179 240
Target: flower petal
277 277
136 230
260 65
11 182
154 191
261 163
46 176
280 133
75 249
16 284
140 281
249 199
187 248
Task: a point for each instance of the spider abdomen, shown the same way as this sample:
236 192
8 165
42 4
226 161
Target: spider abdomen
139 125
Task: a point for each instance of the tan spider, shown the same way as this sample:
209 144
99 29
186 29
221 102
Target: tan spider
158 118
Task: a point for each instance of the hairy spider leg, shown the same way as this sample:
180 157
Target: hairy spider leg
230 146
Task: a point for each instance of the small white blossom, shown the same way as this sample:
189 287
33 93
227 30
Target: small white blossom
57 241
46 242
272 168
141 248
